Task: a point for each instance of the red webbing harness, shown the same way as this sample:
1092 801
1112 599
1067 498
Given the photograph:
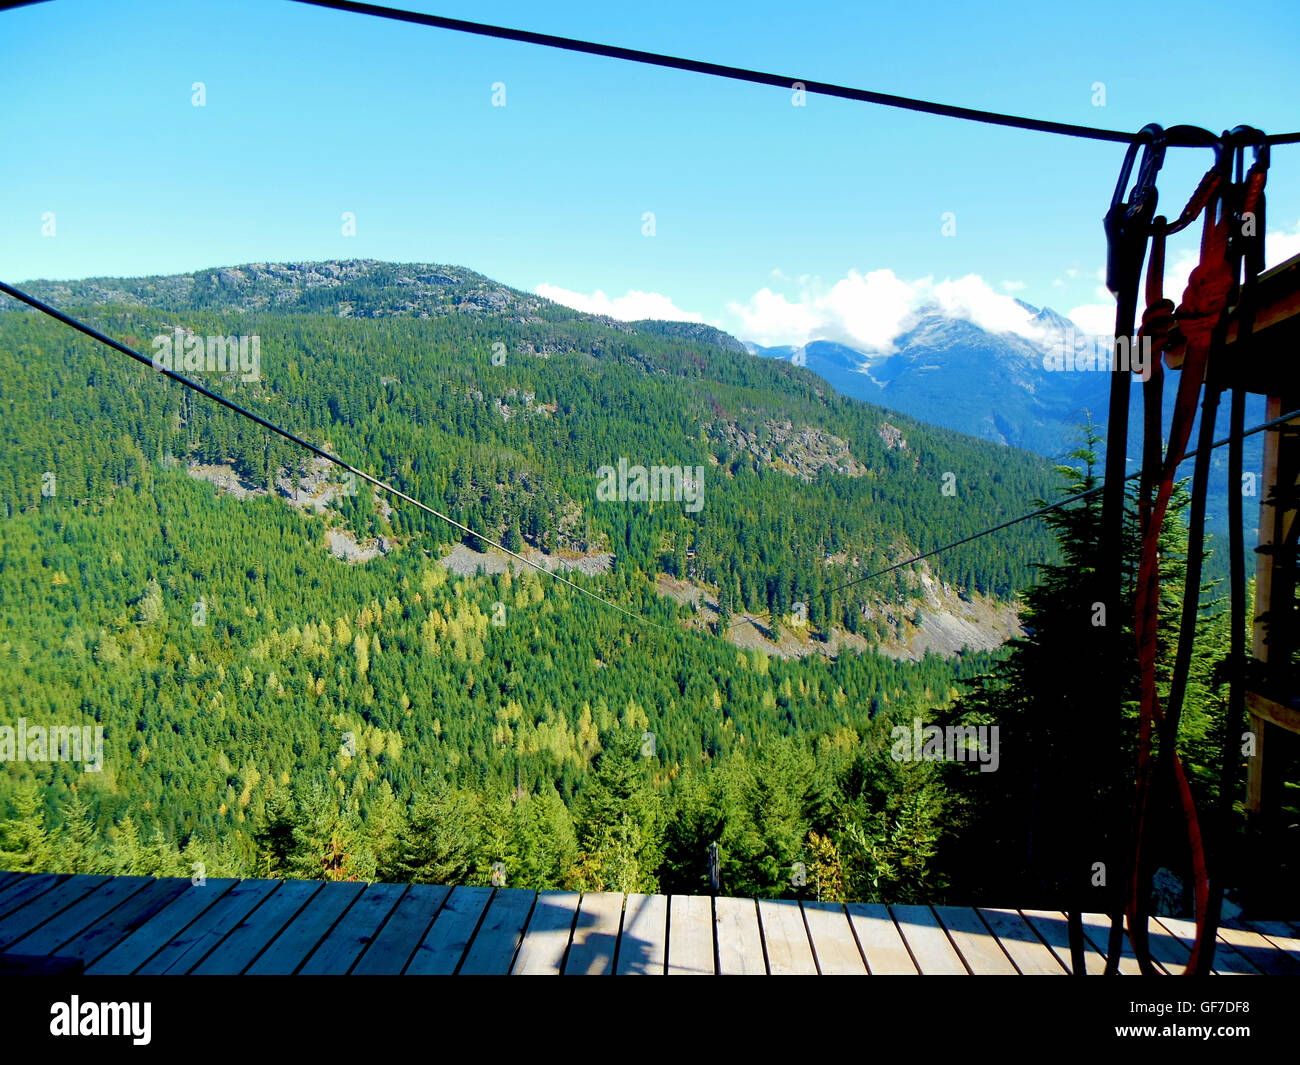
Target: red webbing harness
1183 336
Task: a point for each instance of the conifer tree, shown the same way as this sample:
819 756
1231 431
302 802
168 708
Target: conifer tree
619 832
25 843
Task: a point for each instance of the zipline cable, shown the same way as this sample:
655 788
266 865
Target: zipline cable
95 334
755 77
1262 427
719 70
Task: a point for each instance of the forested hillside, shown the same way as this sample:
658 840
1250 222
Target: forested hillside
267 707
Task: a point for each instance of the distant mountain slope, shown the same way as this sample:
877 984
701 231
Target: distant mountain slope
501 408
949 371
705 334
351 288
952 372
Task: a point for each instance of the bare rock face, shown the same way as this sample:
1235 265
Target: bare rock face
466 562
892 436
343 545
944 623
800 451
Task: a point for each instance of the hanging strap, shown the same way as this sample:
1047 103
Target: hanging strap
1185 337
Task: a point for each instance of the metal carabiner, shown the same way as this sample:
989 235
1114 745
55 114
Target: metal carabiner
1238 140
1249 137
1126 223
1196 137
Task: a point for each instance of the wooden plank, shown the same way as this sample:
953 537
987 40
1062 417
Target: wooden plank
1096 931
1280 934
881 943
160 929
1167 951
789 953
1227 962
1259 951
250 937
595 935
191 945
106 933
547 936
26 888
834 945
444 944
1277 298
740 942
493 949
1270 520
313 923
7 878
978 947
45 906
690 935
925 937
393 946
1275 713
643 946
353 933
1053 928
1028 952
78 917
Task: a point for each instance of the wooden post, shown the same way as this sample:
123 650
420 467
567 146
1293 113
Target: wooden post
1263 597
1268 368
1274 621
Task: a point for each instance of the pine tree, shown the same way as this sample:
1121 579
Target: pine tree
159 857
78 852
125 855
25 844
384 826
440 844
618 827
274 839
1044 710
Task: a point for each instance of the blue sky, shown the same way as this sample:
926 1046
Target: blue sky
778 222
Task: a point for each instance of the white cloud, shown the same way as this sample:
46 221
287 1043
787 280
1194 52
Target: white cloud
1094 318
630 308
869 310
971 298
1178 273
772 320
1279 247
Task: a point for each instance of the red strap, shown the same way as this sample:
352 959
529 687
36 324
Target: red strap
1183 336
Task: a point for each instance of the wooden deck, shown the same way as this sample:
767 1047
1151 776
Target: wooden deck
125 924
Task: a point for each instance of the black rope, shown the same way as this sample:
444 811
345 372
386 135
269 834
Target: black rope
719 70
1191 138
1262 427
95 334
